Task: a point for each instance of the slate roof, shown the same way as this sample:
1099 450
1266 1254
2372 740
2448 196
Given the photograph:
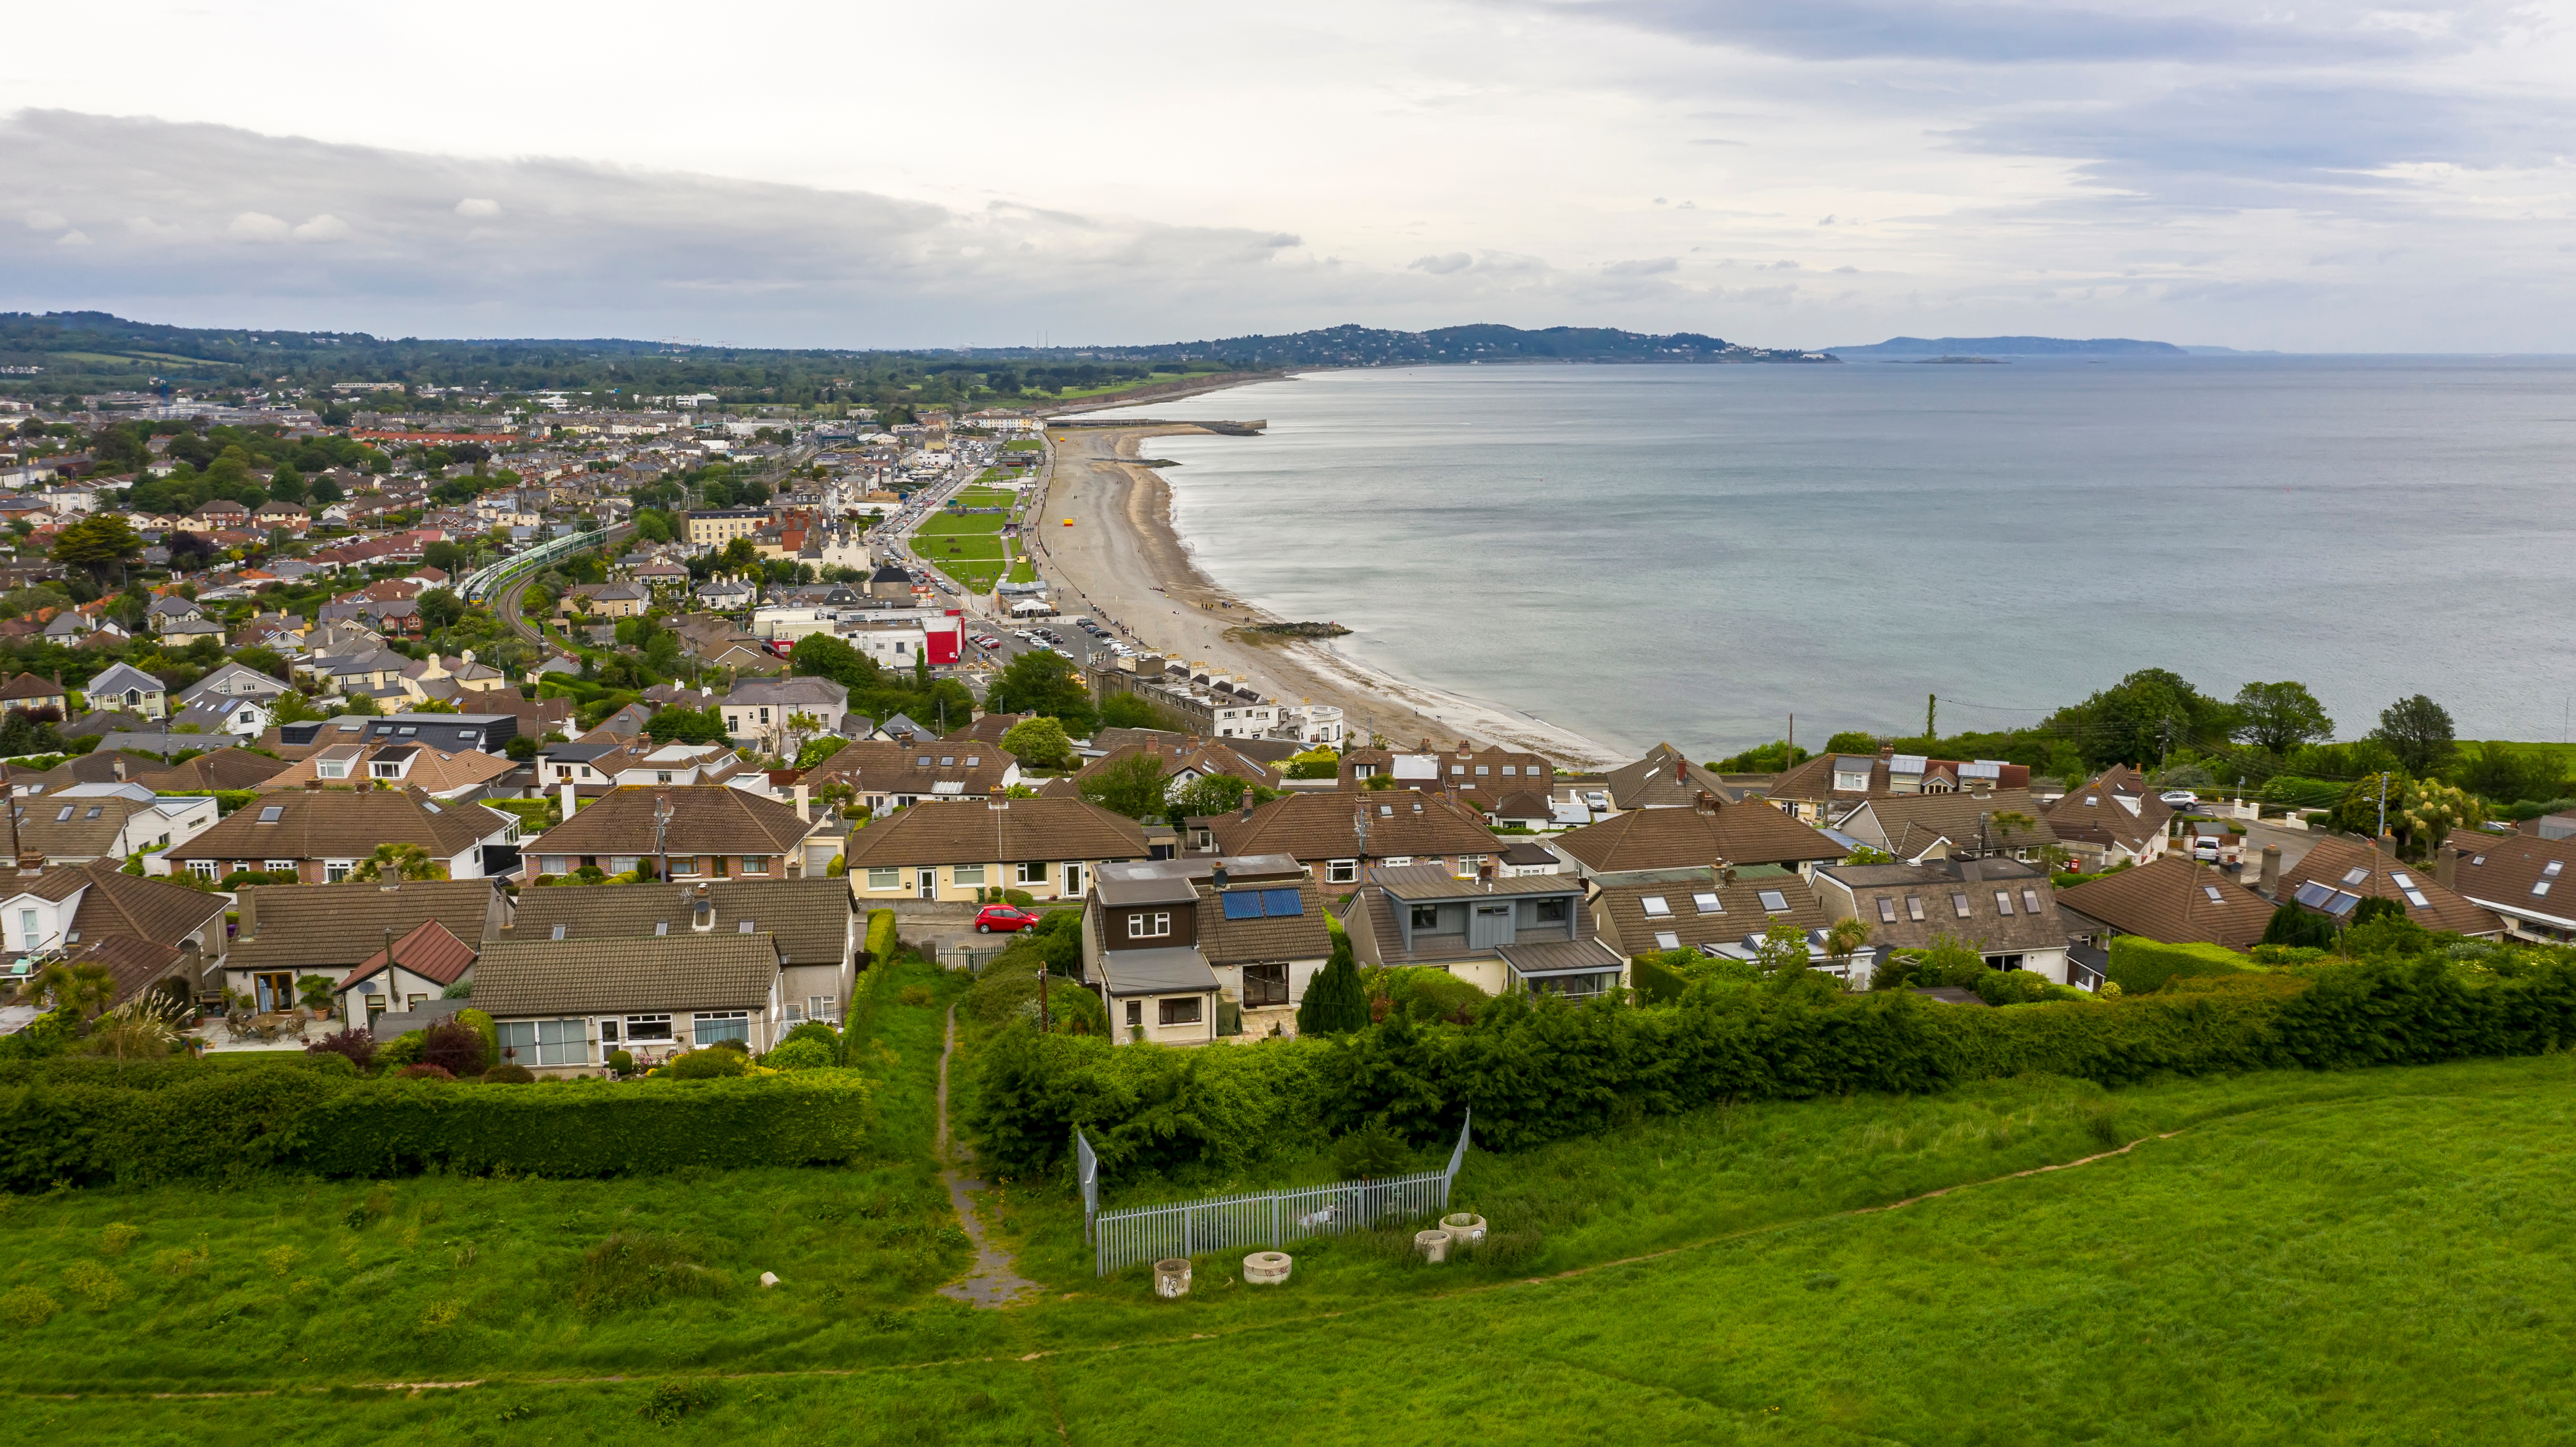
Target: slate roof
2170 900
810 918
705 819
1001 832
2353 866
343 824
1619 908
1751 832
517 978
973 768
319 928
1198 756
1269 751
1906 824
1943 886
99 766
1666 779
2503 871
1310 827
1170 970
1372 908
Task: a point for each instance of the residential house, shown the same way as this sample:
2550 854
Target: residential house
1048 848
702 831
1713 832
2338 873
565 1006
1664 779
1527 932
714 527
224 768
986 729
2115 819
27 692
123 686
142 930
445 774
2528 880
759 711
1937 824
171 609
1494 782
718 642
725 595
460 682
1824 789
1340 836
1185 761
1649 911
288 516
289 931
490 732
2172 898
2002 908
885 775
238 697
82 822
809 918
1189 950
405 975
324 835
605 600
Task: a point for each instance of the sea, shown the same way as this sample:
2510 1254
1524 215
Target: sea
1698 553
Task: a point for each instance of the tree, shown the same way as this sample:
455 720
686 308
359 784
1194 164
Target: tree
2421 812
687 726
97 543
1847 937
1039 743
815 751
1043 683
2418 731
740 556
286 484
1212 794
820 655
1783 947
399 861
2506 774
1127 711
1336 1002
1132 786
2299 928
87 989
2140 718
1852 742
2278 717
441 608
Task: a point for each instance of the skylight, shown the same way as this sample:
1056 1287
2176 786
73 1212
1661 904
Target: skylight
1708 904
1667 940
743 928
2355 875
2550 870
1774 902
272 813
1656 908
66 814
1959 902
2214 896
2030 900
1886 910
558 934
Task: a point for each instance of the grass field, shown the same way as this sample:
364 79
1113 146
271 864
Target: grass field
2358 1257
968 547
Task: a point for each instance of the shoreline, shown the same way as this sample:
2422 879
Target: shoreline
1124 561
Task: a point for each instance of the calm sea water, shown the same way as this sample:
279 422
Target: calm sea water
1694 553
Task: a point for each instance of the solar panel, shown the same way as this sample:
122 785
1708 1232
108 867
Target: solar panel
1241 903
1282 903
2313 895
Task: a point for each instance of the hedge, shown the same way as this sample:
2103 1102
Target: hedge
2140 966
282 1117
1535 1071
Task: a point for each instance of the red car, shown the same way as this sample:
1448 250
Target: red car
1002 917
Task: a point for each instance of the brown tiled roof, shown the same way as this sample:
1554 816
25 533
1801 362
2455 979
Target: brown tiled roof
2097 813
224 768
705 819
1001 832
882 766
429 951
1401 822
1620 909
342 824
2332 860
1751 832
2169 900
128 904
432 771
2501 870
1664 779
322 928
1271 751
1201 756
809 917
597 977
1936 883
133 963
1813 781
91 768
28 685
988 729
43 830
1921 818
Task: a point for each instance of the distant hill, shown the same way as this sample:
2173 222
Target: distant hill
1357 346
2011 347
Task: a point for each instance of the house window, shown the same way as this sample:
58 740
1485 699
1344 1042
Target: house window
823 1007
1886 910
683 864
278 866
1656 907
202 868
2030 900
1667 940
1959 903
1774 901
1550 911
885 878
1029 871
1177 1010
755 864
2003 902
964 875
1426 916
544 1042
386 771
331 768
661 776
710 1027
1914 908
1265 985
1142 926
1135 1013
1707 902
1341 871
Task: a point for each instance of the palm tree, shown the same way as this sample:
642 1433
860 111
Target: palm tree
400 861
1847 937
90 988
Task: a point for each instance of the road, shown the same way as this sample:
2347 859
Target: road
891 541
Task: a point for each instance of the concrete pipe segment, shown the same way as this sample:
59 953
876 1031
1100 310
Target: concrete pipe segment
1172 1278
1466 1228
1266 1268
1433 1244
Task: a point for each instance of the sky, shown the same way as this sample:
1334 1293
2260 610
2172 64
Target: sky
1802 173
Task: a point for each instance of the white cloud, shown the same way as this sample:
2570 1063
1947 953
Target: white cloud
72 238
1442 265
1649 266
478 206
46 221
258 226
325 227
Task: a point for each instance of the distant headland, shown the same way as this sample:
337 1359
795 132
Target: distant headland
1910 347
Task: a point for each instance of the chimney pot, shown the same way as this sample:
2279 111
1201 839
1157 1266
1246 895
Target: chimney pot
2446 865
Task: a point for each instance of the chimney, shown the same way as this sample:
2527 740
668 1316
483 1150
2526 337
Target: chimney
704 907
1247 803
2268 881
2446 865
1681 771
314 784
2387 845
567 799
1706 803
804 805
120 768
1485 874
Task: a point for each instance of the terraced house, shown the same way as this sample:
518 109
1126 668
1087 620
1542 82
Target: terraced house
322 836
1047 848
688 832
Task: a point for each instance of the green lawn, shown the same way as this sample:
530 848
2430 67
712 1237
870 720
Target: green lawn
2355 1257
969 547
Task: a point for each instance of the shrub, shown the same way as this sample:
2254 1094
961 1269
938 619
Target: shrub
708 1064
1429 993
621 1064
426 1072
916 995
796 1054
358 1045
638 1268
1335 999
1019 898
2141 966
481 1024
25 1306
93 1282
671 1401
509 1072
402 1050
454 1047
1371 1151
820 1032
115 1240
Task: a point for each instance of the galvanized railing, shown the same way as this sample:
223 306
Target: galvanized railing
1137 1235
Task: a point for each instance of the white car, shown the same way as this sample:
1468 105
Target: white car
2179 798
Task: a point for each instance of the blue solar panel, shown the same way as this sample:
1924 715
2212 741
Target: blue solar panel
1281 902
1242 903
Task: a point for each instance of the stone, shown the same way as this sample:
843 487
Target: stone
768 1279
1465 1227
1433 1244
1172 1278
1266 1268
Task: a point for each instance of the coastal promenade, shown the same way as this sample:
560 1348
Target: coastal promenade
1122 561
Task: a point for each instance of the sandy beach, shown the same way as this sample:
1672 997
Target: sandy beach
1122 562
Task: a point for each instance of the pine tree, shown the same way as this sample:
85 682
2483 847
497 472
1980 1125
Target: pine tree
1335 1000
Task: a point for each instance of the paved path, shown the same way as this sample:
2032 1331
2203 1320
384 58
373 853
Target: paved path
994 1283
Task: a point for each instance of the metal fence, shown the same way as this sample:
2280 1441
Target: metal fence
1272 1219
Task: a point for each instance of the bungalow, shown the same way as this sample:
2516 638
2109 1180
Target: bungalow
1049 848
2522 877
1824 789
2173 899
123 686
886 775
86 906
565 1006
810 919
1528 932
2115 819
405 975
2003 908
1648 911
323 835
703 831
1336 834
28 693
107 821
1939 823
1189 950
2337 873
388 764
290 931
1746 833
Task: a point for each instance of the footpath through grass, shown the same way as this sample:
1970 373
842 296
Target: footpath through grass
2358 1257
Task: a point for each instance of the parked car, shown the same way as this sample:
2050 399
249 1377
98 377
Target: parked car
1002 918
2179 798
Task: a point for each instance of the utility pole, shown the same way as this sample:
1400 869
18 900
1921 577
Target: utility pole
2383 809
1793 743
1931 707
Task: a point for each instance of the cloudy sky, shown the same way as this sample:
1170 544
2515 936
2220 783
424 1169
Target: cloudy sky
2306 177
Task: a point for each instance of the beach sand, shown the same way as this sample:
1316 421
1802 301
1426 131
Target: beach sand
1122 562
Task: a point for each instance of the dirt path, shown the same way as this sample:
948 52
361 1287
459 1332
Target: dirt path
993 1283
